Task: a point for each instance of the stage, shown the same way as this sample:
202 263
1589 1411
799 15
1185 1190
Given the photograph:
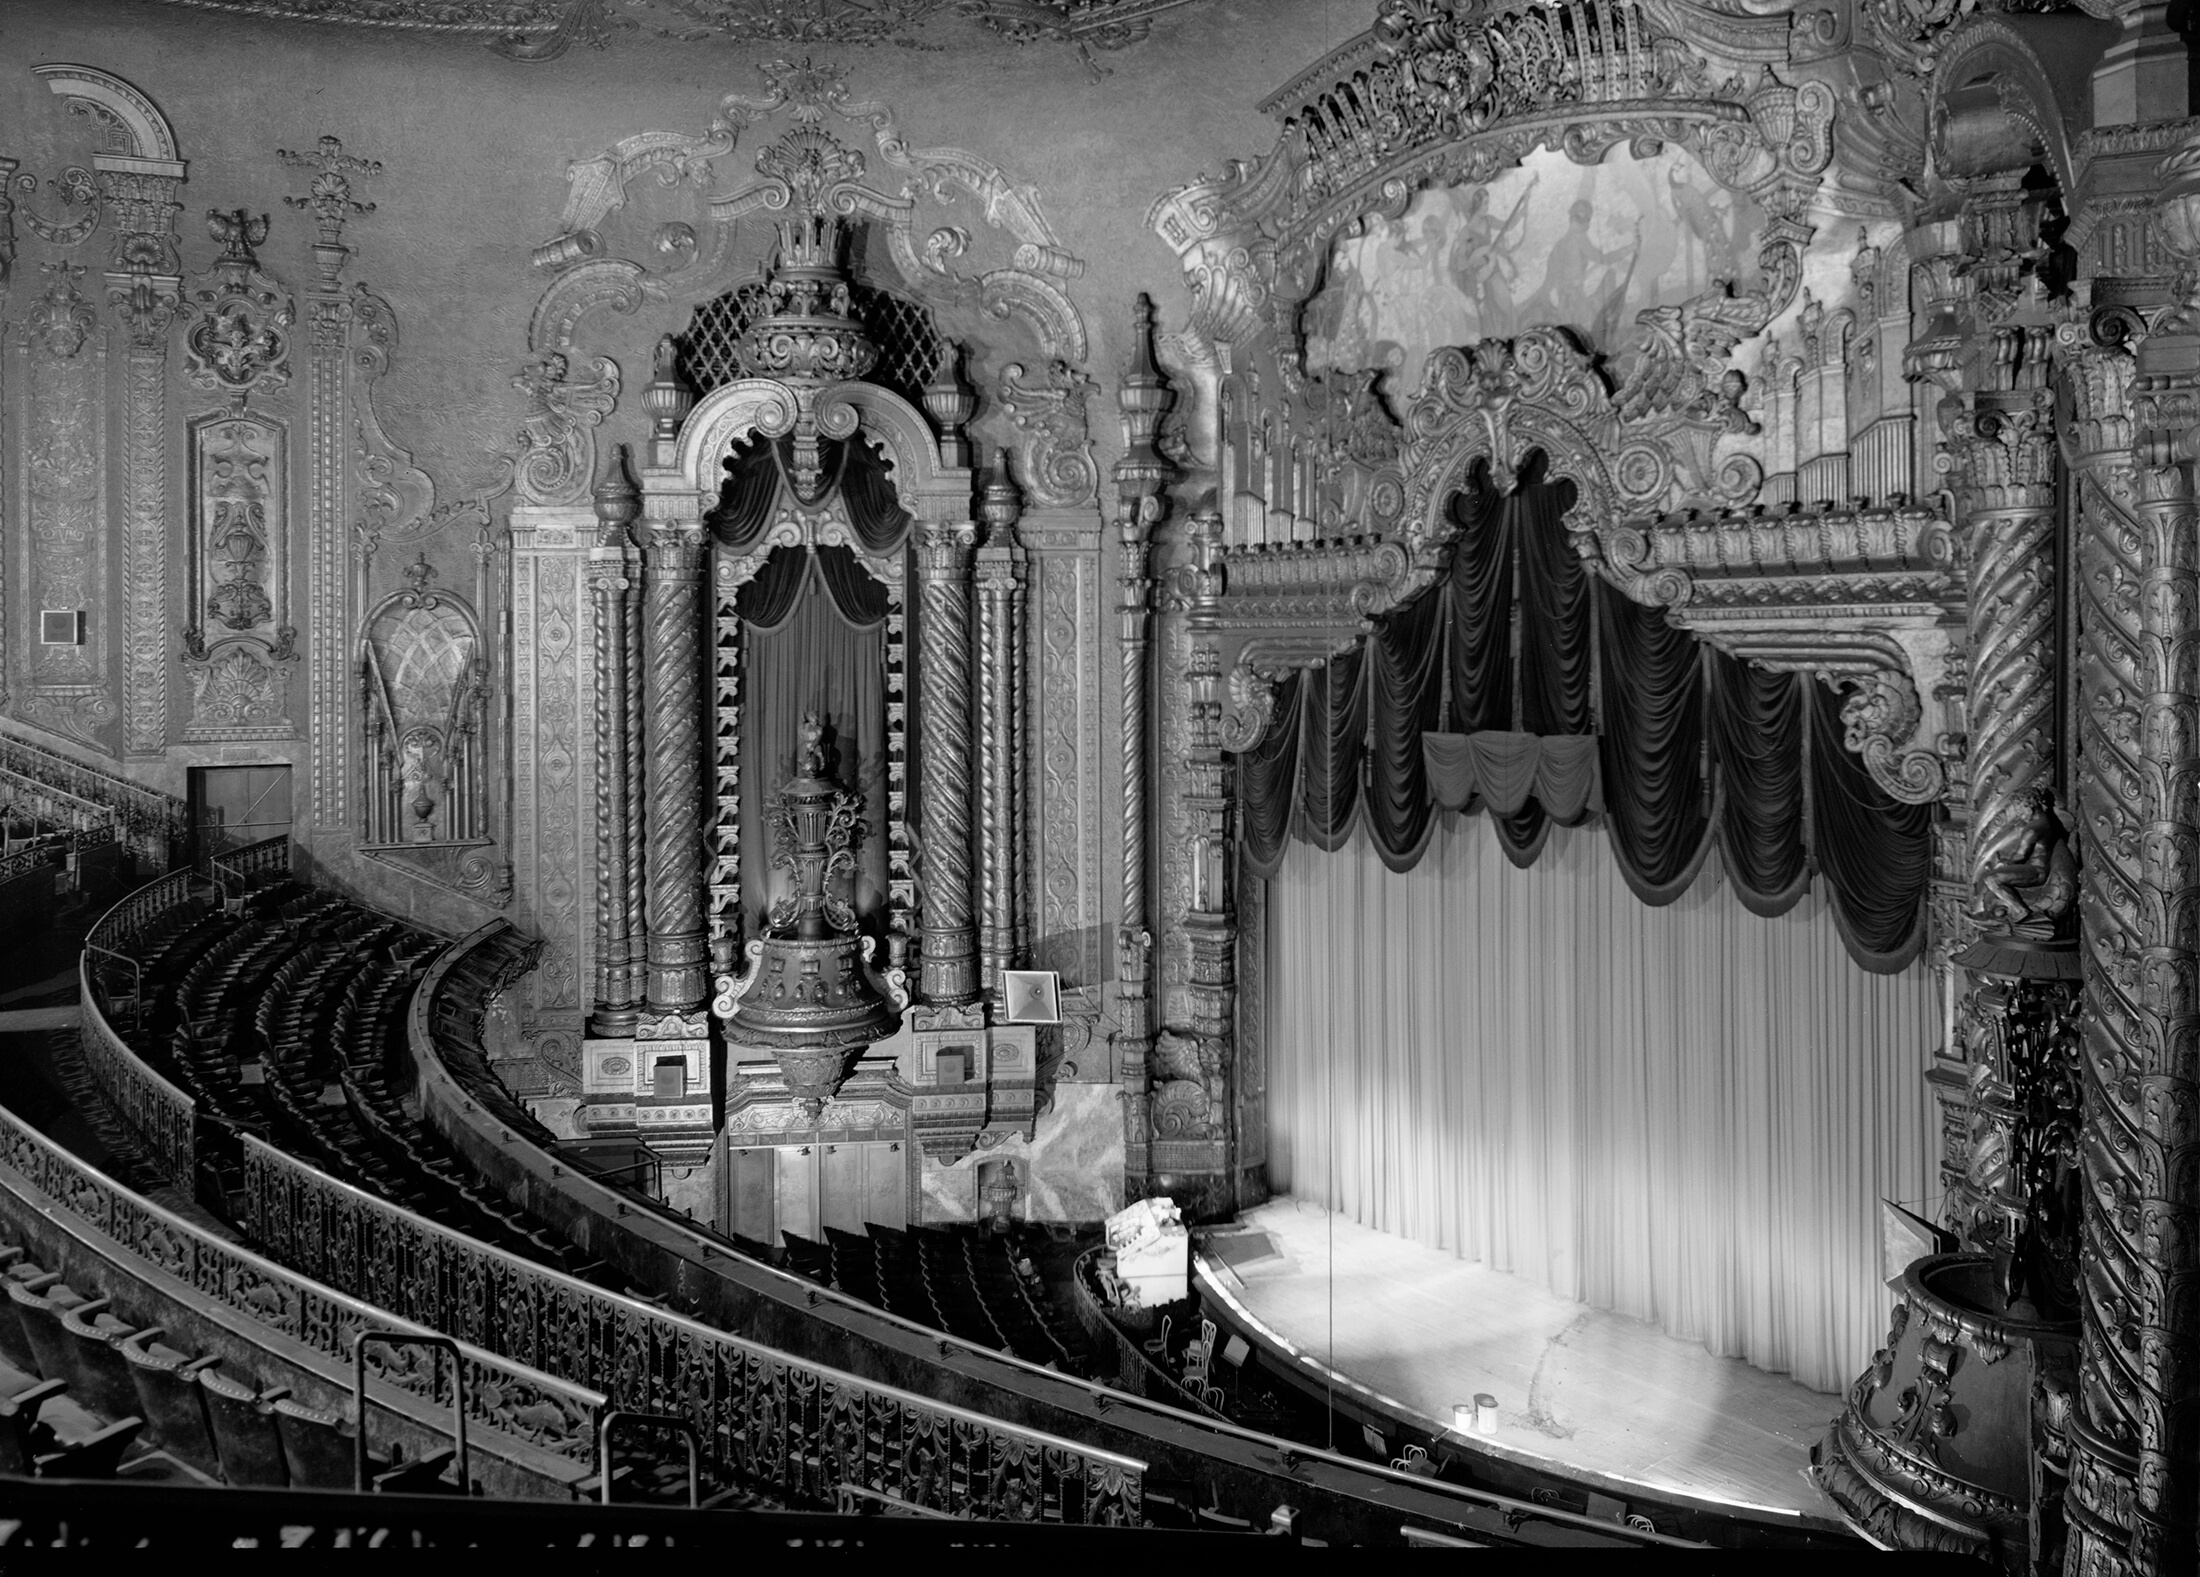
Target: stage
1610 1402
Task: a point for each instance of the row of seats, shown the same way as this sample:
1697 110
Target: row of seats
971 1285
85 1391
290 1022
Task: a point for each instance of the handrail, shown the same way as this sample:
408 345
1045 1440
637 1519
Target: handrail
514 1399
164 1118
622 1415
146 818
348 1233
360 1341
744 1290
242 866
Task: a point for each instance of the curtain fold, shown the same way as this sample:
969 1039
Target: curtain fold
746 496
1479 592
1688 1114
868 491
1877 854
1268 781
1653 740
1557 607
1404 695
1331 749
1501 771
1757 740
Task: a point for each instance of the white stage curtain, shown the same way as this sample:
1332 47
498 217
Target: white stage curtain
1688 1114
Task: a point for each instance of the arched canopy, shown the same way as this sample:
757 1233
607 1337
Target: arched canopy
929 488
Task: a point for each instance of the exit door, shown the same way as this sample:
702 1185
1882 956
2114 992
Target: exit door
234 806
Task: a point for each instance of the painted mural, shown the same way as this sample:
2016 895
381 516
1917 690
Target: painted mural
1549 242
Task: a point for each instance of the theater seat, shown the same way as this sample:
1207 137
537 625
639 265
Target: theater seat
168 1394
29 1445
243 1424
103 1381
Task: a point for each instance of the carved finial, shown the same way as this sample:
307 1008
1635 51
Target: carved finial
1002 505
618 502
667 398
330 199
420 574
949 400
1144 398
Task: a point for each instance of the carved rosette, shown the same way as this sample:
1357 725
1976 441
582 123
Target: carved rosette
948 964
672 615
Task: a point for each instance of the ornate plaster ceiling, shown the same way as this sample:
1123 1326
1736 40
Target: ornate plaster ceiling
545 29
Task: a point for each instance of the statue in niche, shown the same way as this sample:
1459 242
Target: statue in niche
2028 876
417 772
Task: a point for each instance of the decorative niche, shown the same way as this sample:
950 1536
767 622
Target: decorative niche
423 690
239 648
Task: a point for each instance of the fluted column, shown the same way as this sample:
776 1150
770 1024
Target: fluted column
947 968
998 692
610 577
1143 398
672 627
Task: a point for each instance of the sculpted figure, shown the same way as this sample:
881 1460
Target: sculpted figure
2028 877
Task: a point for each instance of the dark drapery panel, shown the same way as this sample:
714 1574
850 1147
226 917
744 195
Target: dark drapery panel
1682 746
772 592
1404 684
813 660
1268 781
1557 610
1876 852
745 498
1331 749
856 593
1652 709
1479 591
1757 724
868 491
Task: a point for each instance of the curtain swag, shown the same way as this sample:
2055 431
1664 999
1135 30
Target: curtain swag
1523 685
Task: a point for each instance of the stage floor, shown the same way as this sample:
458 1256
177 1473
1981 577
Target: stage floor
1596 1395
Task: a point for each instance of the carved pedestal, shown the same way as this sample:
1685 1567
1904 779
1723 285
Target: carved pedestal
1933 1451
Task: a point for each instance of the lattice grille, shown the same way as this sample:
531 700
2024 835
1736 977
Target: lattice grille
909 341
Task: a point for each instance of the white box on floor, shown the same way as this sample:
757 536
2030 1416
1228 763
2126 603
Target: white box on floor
1153 1252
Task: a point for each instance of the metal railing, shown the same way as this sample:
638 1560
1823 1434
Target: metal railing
65 790
239 870
763 1417
360 1342
164 1118
511 1399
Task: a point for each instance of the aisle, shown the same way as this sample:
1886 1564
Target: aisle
1577 1387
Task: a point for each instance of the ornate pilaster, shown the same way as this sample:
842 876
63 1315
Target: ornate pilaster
947 962
330 312
1143 399
998 690
611 577
672 626
147 305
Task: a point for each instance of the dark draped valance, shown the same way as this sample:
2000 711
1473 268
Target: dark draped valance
1523 685
751 487
770 596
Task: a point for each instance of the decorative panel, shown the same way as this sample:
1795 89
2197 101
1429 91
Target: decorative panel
553 771
62 510
238 644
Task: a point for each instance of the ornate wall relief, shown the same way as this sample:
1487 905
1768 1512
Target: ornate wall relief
61 357
238 645
553 771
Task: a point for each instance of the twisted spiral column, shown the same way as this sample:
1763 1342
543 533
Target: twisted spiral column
616 998
2113 924
997 690
672 624
947 970
2005 483
634 849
